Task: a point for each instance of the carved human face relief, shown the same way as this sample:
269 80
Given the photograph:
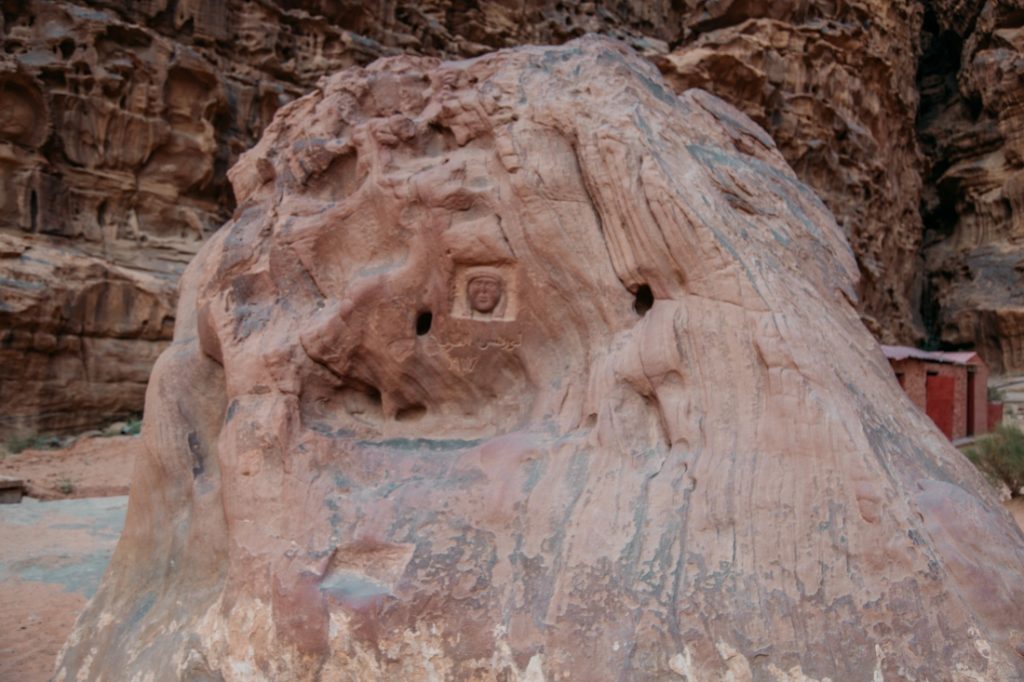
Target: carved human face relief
484 293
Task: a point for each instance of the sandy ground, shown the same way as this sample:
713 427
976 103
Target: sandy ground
92 467
52 557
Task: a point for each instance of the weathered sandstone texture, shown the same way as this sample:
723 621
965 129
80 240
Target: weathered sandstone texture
834 85
972 127
118 121
524 368
76 331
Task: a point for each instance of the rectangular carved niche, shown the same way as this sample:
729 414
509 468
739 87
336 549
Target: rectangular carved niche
485 292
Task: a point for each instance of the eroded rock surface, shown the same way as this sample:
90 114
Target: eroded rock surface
118 121
834 84
79 333
973 129
525 368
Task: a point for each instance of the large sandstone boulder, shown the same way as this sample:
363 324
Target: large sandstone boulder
524 368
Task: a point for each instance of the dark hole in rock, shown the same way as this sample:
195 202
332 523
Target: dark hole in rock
33 208
423 322
411 413
644 300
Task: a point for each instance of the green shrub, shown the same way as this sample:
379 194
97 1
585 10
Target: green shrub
1000 455
133 426
34 442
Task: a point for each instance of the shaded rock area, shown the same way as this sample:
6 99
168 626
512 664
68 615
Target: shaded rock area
80 332
834 85
972 131
114 140
525 368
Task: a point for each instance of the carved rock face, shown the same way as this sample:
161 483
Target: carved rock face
421 419
484 293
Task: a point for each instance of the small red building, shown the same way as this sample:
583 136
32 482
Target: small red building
951 388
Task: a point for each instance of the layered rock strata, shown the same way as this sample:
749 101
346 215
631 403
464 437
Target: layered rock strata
973 129
524 367
79 332
119 119
114 142
834 85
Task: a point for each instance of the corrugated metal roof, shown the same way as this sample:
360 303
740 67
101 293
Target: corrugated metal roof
904 352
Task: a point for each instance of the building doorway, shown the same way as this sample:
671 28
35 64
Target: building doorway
940 392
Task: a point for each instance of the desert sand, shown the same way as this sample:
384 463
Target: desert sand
52 556
91 467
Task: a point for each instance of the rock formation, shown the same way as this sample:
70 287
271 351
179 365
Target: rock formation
113 146
118 121
834 85
525 368
973 129
79 333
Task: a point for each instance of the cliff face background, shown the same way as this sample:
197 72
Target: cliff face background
119 120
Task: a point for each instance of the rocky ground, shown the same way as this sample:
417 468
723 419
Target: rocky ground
91 467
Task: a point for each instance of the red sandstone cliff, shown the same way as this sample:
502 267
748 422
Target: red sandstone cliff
118 121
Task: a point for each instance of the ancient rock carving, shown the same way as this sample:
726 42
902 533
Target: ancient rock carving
484 292
725 482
